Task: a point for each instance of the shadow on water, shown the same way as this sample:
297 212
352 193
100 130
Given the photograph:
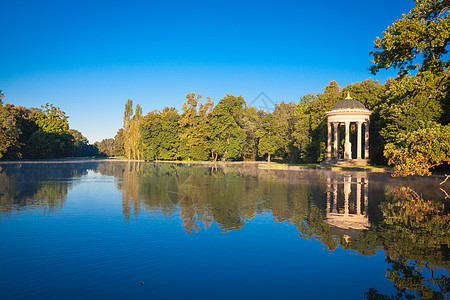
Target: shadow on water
360 211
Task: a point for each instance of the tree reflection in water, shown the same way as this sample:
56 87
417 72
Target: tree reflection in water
334 208
39 185
352 210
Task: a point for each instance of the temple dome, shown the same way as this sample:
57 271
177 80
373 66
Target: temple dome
348 103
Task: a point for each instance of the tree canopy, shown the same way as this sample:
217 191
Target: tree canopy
418 41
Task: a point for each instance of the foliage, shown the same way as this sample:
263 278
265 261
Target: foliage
127 115
195 131
159 135
52 119
39 133
119 142
316 150
106 147
81 146
418 151
9 132
228 135
424 31
49 145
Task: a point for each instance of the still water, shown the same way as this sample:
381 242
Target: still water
116 230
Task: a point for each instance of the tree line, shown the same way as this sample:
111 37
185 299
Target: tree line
39 133
409 125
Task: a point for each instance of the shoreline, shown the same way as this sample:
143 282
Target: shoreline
261 164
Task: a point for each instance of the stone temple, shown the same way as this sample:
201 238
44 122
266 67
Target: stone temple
353 116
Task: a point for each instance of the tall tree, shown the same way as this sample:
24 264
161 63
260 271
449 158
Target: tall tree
417 42
227 134
194 128
134 132
301 134
317 121
127 115
271 136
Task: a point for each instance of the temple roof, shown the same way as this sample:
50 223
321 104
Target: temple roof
348 103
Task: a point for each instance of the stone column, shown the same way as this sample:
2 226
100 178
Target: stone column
358 196
328 194
359 141
347 190
348 146
366 140
366 196
335 196
336 140
329 156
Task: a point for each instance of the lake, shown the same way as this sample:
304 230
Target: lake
117 230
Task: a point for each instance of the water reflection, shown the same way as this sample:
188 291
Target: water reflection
355 202
358 211
41 186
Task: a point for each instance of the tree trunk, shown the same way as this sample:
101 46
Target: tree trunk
268 157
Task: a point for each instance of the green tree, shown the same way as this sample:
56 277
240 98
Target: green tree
195 131
150 129
269 133
127 115
52 119
227 134
106 147
422 35
53 138
80 144
9 132
168 138
119 142
160 135
250 123
417 42
316 150
134 132
301 137
418 151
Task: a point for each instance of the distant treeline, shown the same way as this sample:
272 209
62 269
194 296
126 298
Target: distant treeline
39 133
232 130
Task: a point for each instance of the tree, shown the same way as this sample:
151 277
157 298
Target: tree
276 131
52 139
417 42
150 129
317 122
227 134
195 130
250 124
134 132
301 137
168 138
9 132
80 143
119 142
106 147
423 31
52 119
127 115
418 151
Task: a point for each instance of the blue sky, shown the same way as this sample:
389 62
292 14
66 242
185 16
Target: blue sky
89 57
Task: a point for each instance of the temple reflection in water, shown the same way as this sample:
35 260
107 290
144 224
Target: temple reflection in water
352 210
353 192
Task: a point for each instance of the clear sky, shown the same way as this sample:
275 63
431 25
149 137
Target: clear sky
89 57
